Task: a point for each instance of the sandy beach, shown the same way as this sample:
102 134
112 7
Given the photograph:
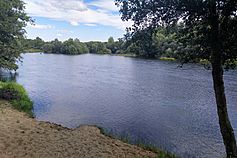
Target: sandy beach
25 137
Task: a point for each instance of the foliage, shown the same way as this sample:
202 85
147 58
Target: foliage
149 44
111 45
17 95
116 47
195 29
69 47
154 43
97 47
56 46
31 45
12 21
141 43
73 47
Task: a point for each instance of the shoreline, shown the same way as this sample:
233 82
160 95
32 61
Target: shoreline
22 136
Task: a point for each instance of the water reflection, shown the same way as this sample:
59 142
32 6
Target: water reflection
8 75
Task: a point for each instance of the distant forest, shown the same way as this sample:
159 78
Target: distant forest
167 43
150 43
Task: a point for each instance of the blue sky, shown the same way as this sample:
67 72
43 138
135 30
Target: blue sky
88 20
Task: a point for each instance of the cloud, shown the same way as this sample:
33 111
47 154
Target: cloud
77 11
106 5
89 24
59 34
38 26
74 23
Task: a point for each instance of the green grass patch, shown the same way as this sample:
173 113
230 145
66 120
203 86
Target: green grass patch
125 138
33 50
167 59
17 96
204 62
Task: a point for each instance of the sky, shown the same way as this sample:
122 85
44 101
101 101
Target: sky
87 20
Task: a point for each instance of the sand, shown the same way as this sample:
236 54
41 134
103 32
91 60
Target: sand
24 137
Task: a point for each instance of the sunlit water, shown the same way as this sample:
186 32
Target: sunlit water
145 100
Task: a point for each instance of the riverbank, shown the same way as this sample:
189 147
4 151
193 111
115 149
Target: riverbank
22 136
32 50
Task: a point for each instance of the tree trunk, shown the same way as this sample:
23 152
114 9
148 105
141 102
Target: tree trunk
218 82
224 122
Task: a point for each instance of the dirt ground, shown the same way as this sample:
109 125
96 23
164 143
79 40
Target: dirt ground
24 137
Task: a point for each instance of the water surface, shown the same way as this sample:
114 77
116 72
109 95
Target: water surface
146 100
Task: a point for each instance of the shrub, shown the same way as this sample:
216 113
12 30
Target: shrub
7 92
17 96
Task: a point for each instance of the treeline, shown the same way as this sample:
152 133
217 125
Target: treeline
72 46
147 43
163 42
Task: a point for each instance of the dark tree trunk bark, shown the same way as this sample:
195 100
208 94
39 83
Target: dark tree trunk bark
218 82
224 122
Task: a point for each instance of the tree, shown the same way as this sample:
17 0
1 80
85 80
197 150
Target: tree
101 49
34 44
210 27
120 45
47 48
166 42
81 47
111 40
74 47
97 48
111 45
69 47
56 46
12 21
142 43
38 43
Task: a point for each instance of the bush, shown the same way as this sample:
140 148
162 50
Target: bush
17 96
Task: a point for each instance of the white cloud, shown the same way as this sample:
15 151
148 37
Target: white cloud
106 5
38 26
76 12
59 34
74 23
89 24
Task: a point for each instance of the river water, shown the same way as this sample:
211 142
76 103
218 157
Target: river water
147 101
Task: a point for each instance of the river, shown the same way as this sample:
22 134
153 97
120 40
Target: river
147 101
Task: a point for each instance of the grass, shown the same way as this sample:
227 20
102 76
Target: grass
167 59
125 55
204 62
125 138
17 96
33 50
